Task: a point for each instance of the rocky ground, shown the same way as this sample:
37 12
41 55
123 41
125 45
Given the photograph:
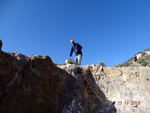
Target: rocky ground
127 87
35 84
130 86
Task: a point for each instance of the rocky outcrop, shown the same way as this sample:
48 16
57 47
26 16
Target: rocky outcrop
143 60
90 98
127 87
35 85
1 45
30 84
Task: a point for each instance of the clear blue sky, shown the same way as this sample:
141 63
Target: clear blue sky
111 31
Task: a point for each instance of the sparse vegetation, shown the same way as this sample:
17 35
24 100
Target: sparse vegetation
139 52
148 65
148 49
102 64
143 54
60 64
148 58
145 63
56 63
143 60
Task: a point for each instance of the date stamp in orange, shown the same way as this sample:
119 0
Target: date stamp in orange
133 103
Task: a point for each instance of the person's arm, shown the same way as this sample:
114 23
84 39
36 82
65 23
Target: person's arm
79 47
71 53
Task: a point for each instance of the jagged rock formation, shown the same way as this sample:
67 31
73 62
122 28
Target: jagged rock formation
127 87
1 45
143 60
35 85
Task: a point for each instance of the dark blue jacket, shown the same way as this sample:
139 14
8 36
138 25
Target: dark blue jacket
77 47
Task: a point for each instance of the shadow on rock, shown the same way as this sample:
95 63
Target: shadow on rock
83 95
35 85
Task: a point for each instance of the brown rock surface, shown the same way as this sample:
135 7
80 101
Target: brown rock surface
128 85
29 84
1 45
35 85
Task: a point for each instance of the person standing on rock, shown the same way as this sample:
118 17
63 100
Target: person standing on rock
1 45
77 49
135 58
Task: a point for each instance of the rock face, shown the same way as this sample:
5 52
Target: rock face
127 87
35 85
1 45
29 84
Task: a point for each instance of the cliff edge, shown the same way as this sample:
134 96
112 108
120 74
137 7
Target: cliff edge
35 84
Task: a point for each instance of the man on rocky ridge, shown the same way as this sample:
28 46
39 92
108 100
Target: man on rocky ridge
77 49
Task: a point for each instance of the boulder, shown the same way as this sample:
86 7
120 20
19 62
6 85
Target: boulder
69 61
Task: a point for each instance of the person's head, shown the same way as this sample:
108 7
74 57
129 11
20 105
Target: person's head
72 42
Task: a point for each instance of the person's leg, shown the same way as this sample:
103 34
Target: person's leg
79 59
75 60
